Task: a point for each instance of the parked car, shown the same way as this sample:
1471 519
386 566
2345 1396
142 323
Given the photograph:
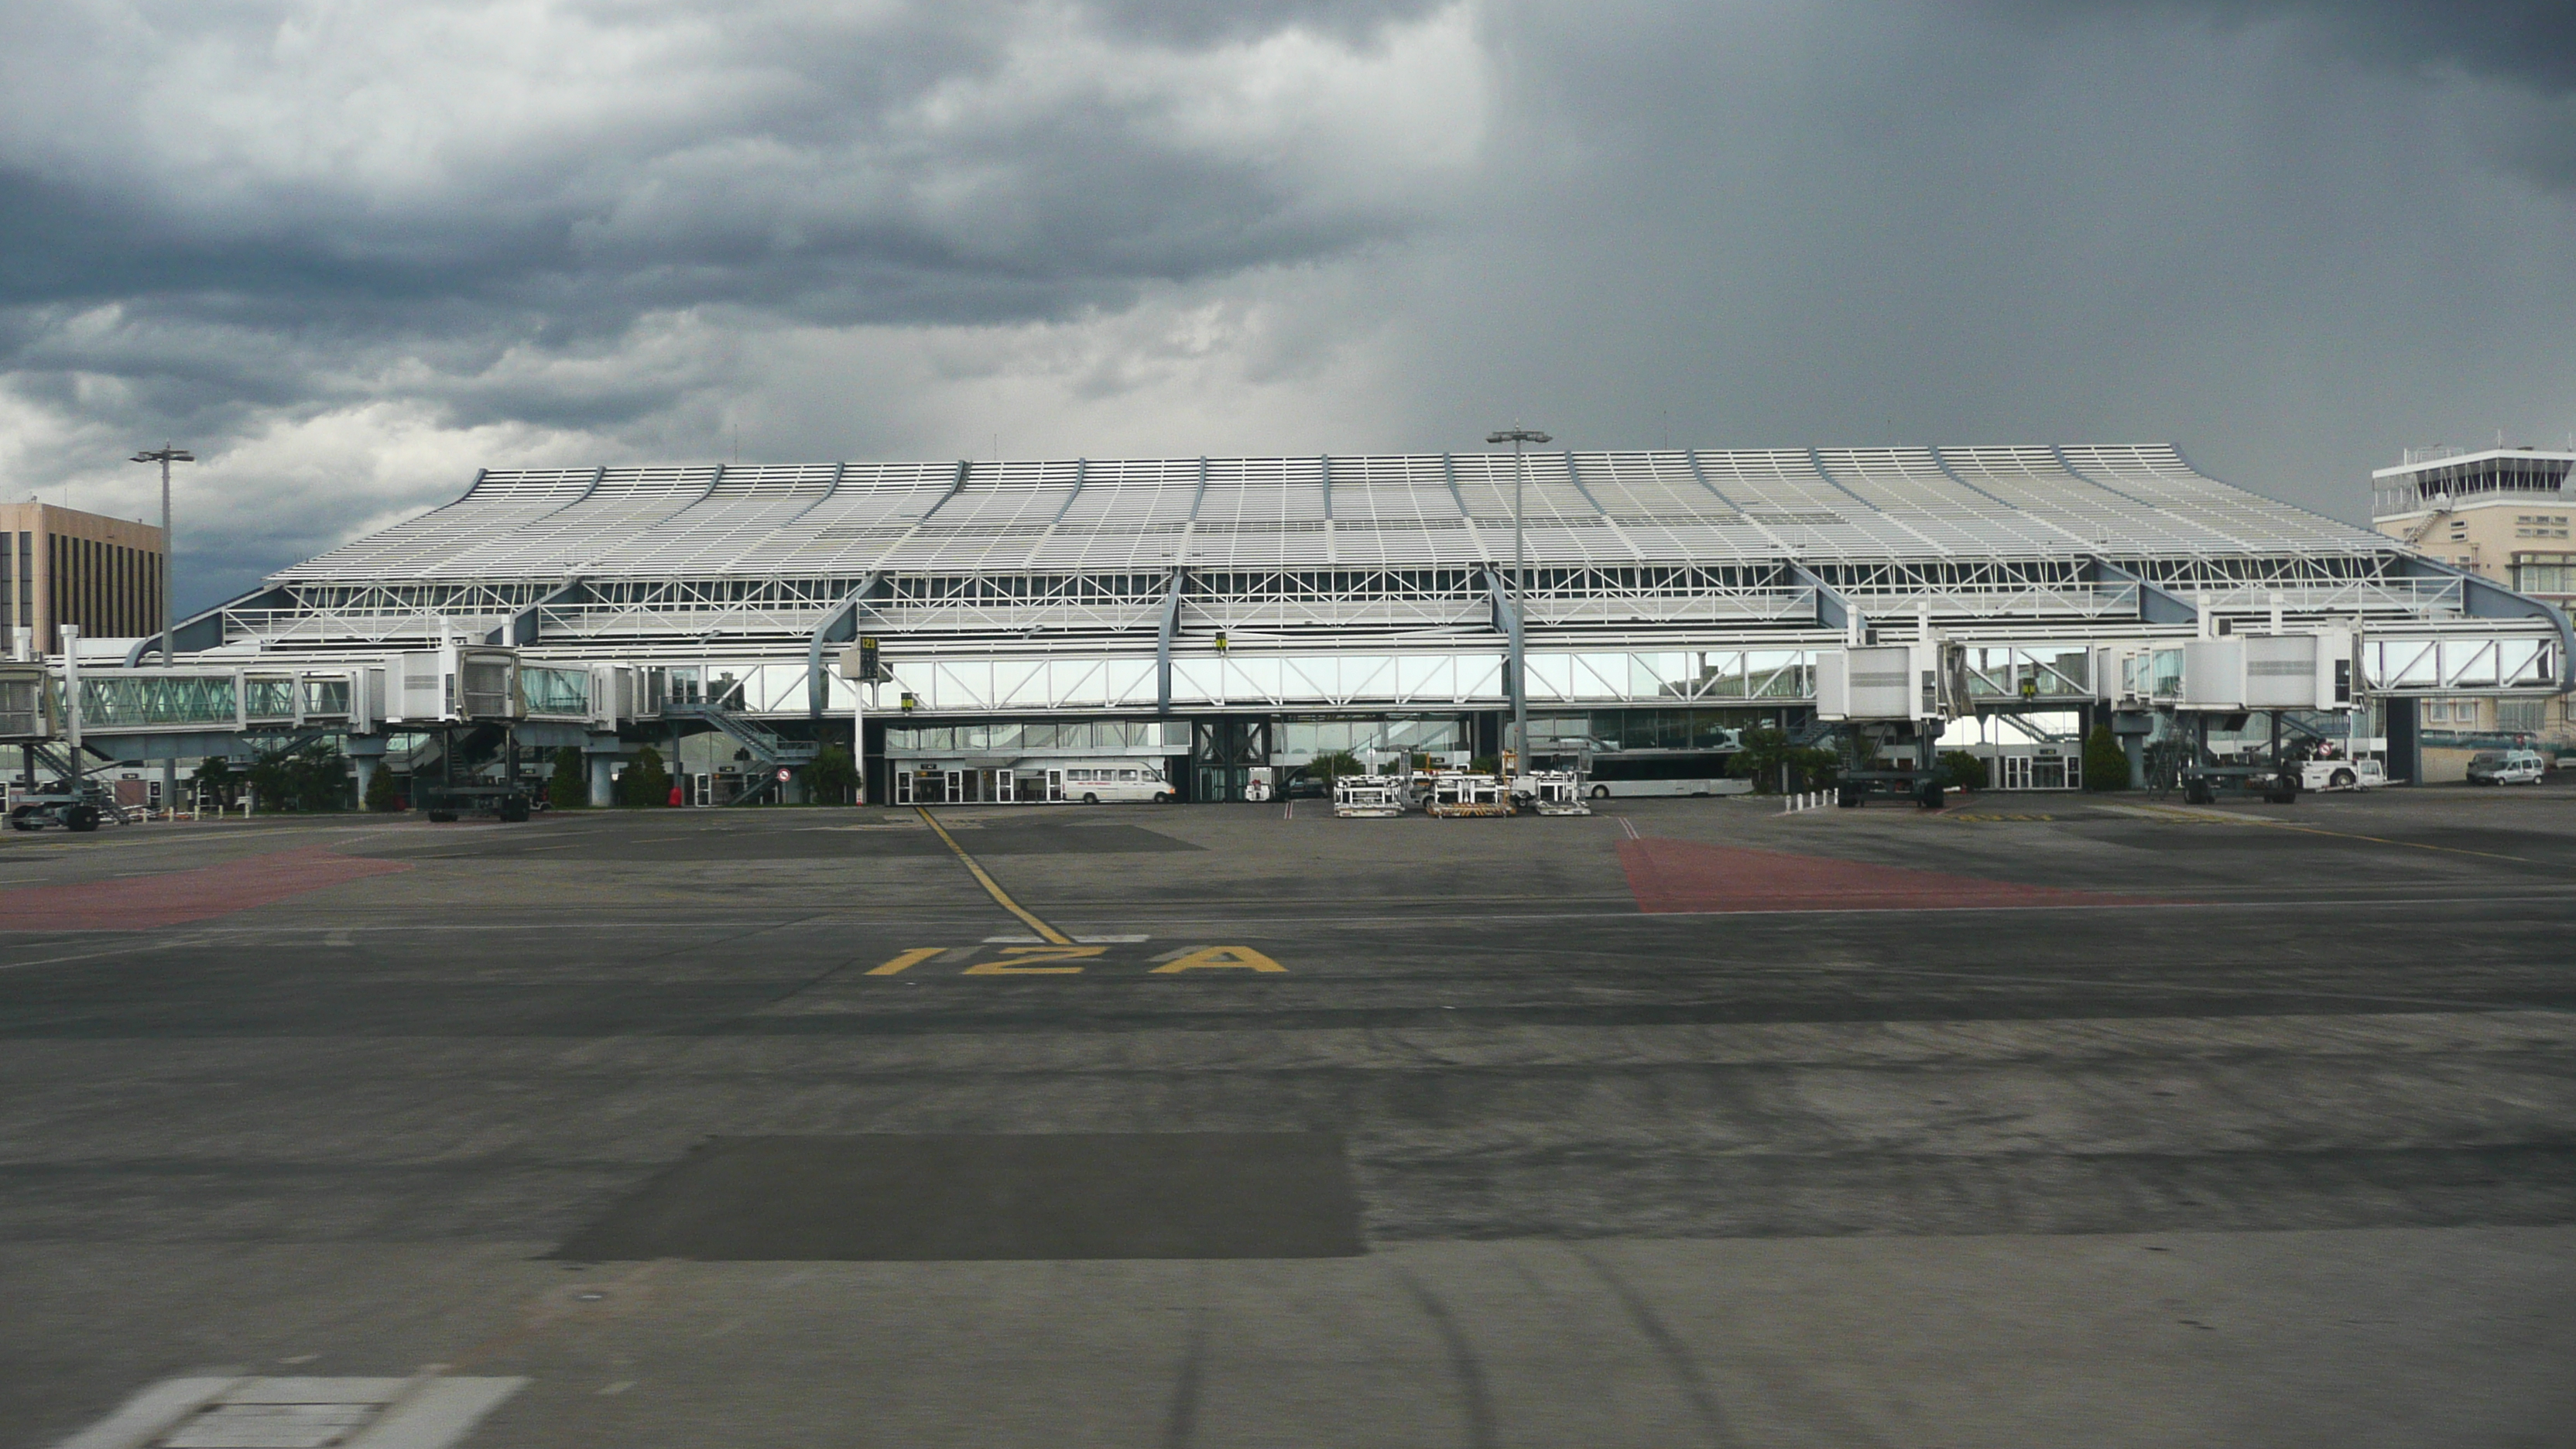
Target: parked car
2506 767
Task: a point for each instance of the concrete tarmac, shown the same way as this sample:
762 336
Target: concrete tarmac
2041 1120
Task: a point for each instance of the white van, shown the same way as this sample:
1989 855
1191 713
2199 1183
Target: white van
2506 767
1108 782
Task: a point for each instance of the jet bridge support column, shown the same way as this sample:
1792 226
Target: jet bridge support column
365 752
601 751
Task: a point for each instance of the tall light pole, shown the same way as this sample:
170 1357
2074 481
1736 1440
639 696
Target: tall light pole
165 455
1519 437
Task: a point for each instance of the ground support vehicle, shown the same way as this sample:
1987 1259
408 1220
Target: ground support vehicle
1371 796
1853 789
2278 784
78 811
1550 792
2342 775
444 803
2506 767
1460 795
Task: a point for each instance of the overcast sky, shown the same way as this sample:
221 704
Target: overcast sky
353 252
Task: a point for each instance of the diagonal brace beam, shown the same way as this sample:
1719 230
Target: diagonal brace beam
2156 605
839 626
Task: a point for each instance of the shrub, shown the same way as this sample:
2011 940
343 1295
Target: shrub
833 777
382 793
1813 768
1761 753
315 778
2106 765
1962 771
1766 752
645 783
1340 764
564 788
216 781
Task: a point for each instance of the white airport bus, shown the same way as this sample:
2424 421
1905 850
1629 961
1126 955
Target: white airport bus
1034 782
1661 772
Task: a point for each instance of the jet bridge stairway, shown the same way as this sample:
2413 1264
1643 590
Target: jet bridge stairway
767 748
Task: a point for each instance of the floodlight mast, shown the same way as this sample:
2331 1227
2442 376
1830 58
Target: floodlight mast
165 455
1518 437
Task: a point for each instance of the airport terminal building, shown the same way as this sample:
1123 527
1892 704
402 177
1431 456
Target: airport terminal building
1221 616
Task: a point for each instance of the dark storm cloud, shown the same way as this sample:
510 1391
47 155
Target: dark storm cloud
2527 47
2530 41
940 164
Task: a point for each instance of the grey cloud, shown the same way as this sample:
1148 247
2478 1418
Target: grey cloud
2525 47
901 172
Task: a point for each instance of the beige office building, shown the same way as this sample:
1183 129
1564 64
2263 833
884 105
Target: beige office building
58 566
2503 514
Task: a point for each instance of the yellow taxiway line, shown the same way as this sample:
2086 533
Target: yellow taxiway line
993 888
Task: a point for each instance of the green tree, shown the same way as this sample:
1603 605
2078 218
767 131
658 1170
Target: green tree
833 777
1338 765
2106 765
1962 771
317 778
645 783
382 793
269 786
564 789
216 781
1812 768
1759 755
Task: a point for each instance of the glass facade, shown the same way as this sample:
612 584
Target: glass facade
113 701
268 697
1647 729
555 691
1022 737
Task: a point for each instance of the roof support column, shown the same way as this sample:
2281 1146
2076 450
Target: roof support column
1163 643
1507 621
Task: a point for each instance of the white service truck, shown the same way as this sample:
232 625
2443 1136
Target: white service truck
2342 775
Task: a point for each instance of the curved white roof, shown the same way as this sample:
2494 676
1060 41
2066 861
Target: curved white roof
1412 511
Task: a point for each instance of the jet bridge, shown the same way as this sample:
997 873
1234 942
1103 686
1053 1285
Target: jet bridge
1890 698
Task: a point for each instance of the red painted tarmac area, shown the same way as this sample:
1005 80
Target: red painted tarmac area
140 903
1671 876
